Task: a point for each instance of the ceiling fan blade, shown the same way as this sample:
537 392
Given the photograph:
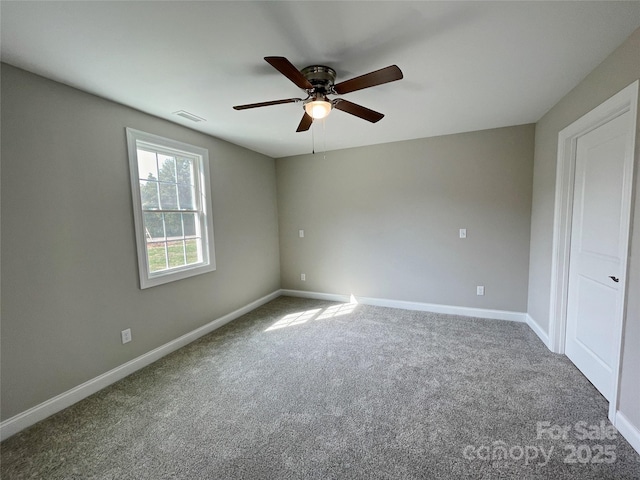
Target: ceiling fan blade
384 75
305 123
286 68
266 104
358 110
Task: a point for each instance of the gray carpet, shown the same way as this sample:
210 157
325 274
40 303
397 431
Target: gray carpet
306 389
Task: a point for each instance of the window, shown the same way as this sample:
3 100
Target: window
171 195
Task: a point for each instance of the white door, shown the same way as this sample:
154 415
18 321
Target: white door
598 259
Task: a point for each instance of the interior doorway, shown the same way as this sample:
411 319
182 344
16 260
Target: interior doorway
580 236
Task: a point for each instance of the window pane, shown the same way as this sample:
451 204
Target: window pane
149 195
147 167
185 171
156 256
176 254
167 168
153 226
186 194
193 252
174 234
168 196
173 224
189 220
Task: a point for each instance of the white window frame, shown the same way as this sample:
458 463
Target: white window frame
203 201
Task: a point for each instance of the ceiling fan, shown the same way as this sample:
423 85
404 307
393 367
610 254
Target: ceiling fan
318 81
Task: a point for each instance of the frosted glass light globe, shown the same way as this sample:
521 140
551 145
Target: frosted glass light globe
318 109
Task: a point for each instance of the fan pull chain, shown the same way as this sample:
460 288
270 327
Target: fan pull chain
324 134
324 138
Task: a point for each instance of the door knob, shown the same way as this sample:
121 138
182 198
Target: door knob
614 278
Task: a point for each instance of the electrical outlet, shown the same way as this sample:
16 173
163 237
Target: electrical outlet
303 277
126 335
480 290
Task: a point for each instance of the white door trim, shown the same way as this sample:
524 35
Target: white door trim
624 101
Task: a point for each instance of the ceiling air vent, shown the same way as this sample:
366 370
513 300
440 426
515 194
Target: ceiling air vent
189 116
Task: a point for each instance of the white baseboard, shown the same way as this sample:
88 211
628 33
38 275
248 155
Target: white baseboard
29 417
538 331
629 431
423 307
332 297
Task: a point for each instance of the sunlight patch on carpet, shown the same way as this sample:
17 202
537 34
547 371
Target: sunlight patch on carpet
337 311
299 318
294 319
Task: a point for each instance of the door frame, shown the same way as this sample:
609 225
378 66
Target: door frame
624 101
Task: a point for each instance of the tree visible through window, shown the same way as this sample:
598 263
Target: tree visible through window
167 185
171 189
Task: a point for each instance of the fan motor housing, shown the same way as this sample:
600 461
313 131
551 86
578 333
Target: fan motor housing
321 77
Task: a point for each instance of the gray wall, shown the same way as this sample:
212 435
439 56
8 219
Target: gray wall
620 69
382 221
69 272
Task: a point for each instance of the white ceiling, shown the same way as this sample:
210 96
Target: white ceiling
467 65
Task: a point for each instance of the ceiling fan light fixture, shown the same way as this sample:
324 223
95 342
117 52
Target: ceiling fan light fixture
318 81
318 109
